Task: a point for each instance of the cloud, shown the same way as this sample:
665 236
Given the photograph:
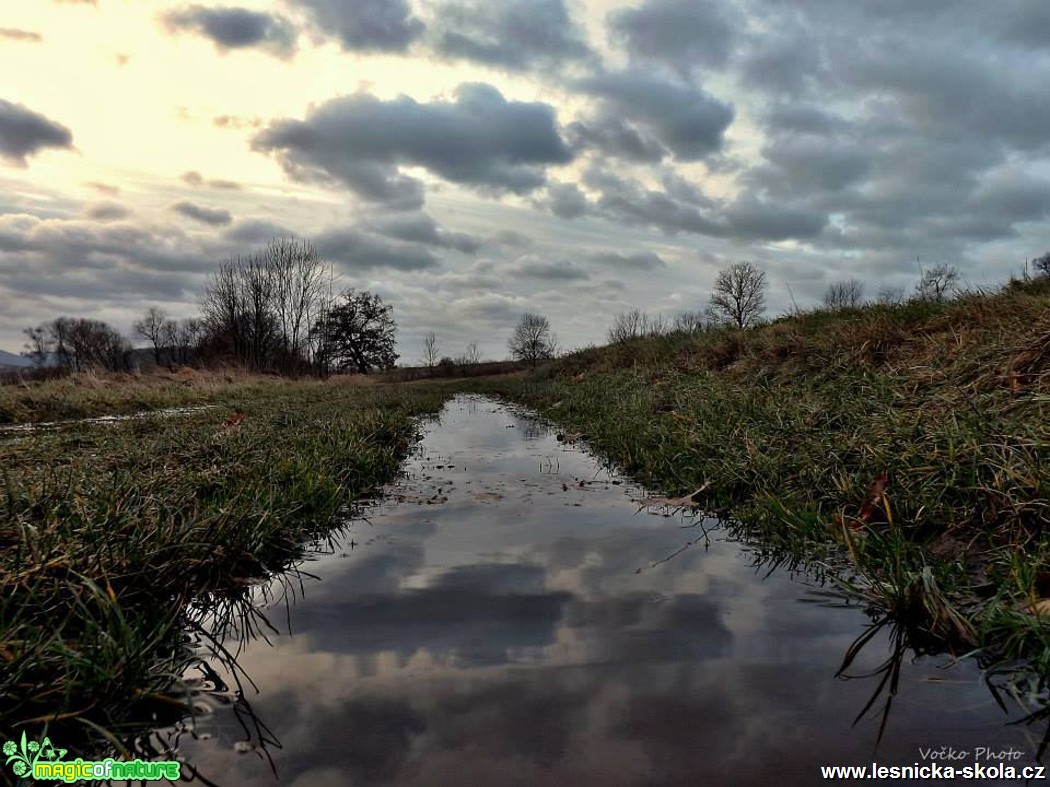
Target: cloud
231 121
565 200
610 134
515 35
213 216
531 267
106 211
685 119
101 260
480 140
642 260
421 228
235 28
365 25
105 188
11 34
255 232
755 219
194 178
24 133
684 34
360 251
626 202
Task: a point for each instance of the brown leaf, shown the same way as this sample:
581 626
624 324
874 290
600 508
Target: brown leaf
1039 607
872 504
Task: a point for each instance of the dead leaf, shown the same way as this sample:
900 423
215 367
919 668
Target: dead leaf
1039 607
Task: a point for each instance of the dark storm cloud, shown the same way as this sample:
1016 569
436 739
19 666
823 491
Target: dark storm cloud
686 119
684 34
359 251
106 211
480 140
11 34
235 28
213 216
421 228
365 25
516 35
24 133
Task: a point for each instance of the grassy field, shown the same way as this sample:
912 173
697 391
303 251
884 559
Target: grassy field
907 447
109 530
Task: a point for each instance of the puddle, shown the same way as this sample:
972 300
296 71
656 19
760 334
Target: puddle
104 419
508 616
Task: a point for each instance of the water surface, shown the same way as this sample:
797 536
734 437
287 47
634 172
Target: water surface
508 616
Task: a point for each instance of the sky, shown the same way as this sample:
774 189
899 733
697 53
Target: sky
470 160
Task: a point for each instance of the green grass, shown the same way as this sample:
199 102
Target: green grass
788 425
109 531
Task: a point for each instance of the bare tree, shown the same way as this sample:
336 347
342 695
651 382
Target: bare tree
844 294
689 322
890 296
739 297
430 350
937 283
187 336
472 355
532 339
627 326
299 275
80 344
264 309
1042 264
38 345
151 328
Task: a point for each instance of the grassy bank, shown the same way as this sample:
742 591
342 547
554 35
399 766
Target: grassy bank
909 446
90 394
108 531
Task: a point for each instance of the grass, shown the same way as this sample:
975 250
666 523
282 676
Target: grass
91 394
791 425
109 531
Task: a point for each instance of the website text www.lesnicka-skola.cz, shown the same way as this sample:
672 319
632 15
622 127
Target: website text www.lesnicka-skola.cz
935 771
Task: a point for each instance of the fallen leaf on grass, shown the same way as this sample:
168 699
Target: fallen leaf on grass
1039 607
875 510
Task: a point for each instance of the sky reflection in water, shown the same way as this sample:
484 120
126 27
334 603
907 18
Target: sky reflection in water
497 622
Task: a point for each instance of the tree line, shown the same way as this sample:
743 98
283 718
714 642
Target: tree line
277 310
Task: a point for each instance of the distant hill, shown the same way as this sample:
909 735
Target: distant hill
11 360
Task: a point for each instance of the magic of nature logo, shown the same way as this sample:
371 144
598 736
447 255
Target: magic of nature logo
43 761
